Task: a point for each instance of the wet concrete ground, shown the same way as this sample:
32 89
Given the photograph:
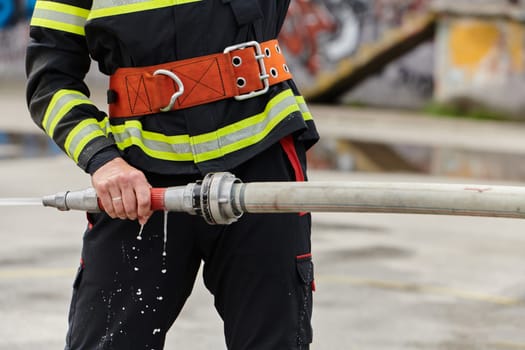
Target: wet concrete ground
384 281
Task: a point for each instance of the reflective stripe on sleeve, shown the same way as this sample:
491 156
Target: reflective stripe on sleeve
104 8
204 147
54 15
61 103
81 134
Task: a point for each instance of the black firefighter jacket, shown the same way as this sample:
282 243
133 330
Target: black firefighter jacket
66 35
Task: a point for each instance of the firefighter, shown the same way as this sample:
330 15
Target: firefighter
195 86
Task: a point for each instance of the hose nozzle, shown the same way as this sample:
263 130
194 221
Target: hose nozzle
212 198
85 200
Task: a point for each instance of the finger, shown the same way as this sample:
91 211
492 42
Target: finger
107 204
143 195
117 203
129 201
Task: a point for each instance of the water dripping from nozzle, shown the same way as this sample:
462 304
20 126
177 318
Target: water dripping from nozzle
165 233
139 236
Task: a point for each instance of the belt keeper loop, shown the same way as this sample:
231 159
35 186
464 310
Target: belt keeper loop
112 96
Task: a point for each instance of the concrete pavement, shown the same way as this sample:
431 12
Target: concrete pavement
384 281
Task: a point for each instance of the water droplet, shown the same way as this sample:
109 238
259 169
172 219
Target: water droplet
136 269
163 270
160 297
165 232
139 237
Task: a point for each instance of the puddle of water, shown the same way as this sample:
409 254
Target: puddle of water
26 145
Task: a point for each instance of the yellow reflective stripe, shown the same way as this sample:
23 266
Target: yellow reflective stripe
204 147
174 139
81 134
61 103
307 115
46 23
53 15
249 141
175 148
247 122
104 8
164 155
247 132
63 8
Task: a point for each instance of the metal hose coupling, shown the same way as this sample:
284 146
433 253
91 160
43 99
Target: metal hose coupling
213 198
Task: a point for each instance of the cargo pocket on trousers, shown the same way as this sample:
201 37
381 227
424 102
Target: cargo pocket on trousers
305 270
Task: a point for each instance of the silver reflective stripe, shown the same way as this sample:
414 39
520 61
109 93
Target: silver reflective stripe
60 17
62 102
105 8
80 136
307 115
131 134
101 4
247 132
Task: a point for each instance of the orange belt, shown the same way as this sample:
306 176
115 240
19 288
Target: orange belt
242 71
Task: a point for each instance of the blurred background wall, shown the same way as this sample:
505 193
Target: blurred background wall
463 59
393 53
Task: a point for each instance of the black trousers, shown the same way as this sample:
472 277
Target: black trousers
129 291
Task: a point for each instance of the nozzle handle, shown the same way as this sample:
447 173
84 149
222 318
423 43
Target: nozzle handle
157 199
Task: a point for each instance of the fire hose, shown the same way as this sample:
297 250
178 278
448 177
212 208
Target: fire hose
221 198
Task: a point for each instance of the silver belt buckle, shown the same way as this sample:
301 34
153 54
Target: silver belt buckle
259 56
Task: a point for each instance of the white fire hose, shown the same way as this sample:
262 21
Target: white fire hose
221 198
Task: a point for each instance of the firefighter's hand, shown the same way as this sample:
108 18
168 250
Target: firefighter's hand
123 190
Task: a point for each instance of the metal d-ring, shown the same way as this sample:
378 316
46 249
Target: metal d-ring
177 93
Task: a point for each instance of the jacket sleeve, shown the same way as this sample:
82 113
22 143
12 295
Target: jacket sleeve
57 61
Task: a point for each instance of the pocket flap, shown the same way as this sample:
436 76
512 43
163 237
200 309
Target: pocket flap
305 268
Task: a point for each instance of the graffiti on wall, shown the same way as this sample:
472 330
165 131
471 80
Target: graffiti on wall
318 35
407 82
334 29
